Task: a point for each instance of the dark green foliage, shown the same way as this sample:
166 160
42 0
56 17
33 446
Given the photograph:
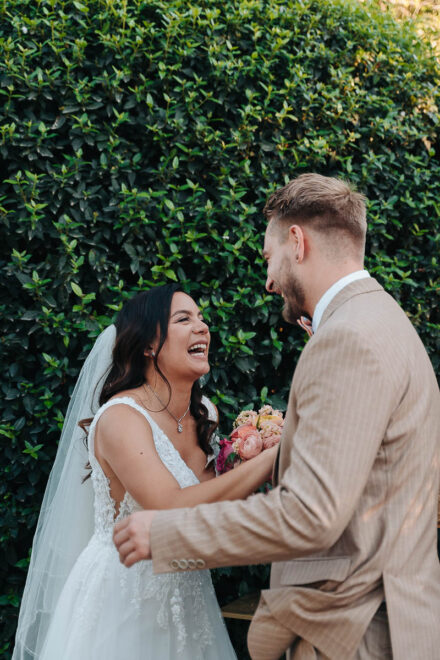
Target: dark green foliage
139 142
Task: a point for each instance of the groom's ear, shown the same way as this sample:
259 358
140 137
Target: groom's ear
297 242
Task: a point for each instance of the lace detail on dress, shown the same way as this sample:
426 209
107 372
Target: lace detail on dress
173 592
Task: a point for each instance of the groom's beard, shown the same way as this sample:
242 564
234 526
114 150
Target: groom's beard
294 296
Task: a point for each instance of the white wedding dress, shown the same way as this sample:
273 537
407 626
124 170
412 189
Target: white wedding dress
109 612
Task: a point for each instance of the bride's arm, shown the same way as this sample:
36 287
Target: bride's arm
124 442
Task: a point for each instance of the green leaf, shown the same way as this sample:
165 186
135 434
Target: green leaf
76 289
170 274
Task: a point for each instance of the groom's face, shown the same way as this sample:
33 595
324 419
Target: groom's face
281 276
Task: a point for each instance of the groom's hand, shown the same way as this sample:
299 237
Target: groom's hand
131 537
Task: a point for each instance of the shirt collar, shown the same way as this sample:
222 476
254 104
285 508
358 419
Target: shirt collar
328 296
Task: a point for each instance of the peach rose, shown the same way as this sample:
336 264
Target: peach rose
247 441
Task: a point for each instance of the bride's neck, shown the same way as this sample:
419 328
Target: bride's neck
159 392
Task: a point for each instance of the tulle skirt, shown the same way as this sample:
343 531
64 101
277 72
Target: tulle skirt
109 612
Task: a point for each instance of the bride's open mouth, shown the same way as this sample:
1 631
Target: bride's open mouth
199 350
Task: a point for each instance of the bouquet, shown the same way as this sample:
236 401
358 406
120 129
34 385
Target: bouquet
253 433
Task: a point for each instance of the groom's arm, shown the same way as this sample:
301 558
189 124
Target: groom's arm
344 399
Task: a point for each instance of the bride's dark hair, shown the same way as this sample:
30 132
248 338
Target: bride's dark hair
140 321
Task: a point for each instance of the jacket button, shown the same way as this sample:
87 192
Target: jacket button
192 563
183 564
174 563
200 563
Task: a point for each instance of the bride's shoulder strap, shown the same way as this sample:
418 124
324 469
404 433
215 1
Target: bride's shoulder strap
211 408
126 400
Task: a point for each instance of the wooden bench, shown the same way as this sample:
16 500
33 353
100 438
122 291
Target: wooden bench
242 608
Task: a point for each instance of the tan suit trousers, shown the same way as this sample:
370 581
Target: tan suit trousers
375 645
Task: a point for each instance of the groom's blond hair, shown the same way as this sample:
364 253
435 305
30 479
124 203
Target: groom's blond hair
327 205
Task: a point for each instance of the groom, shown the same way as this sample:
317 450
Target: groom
351 522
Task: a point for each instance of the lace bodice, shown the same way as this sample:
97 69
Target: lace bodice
139 584
105 506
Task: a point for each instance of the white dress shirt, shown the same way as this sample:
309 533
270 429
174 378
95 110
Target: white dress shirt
328 296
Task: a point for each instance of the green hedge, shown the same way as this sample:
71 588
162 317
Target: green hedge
139 142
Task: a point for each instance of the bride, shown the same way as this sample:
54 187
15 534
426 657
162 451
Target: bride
149 433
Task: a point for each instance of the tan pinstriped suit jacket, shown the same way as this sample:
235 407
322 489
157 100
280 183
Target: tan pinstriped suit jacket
352 519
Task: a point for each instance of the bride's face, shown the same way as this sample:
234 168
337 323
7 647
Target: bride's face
185 350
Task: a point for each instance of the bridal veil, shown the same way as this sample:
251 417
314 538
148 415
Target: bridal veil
66 520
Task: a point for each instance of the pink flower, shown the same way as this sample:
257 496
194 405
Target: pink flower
270 432
271 441
247 441
226 448
246 417
266 410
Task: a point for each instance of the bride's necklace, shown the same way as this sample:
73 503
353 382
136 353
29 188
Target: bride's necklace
177 420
